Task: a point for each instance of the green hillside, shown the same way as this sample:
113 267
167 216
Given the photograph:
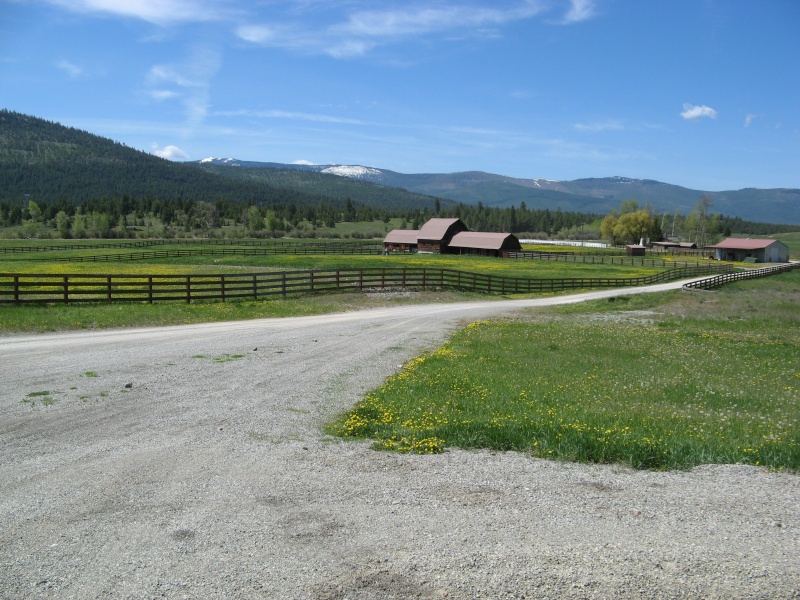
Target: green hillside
48 162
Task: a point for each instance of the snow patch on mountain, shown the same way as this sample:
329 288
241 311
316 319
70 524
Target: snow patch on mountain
539 182
353 171
221 161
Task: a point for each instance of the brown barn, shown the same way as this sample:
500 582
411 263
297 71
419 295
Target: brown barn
483 244
435 235
449 236
401 240
635 250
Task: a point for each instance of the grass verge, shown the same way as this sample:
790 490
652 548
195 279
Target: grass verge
664 382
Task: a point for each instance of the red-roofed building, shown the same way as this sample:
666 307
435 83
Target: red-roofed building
738 249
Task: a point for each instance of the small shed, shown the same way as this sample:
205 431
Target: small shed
635 250
435 235
761 250
401 240
484 244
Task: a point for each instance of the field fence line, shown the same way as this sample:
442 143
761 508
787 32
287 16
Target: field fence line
19 288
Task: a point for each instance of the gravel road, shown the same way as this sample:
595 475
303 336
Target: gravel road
189 462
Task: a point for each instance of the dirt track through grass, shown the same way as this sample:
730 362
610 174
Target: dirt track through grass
170 475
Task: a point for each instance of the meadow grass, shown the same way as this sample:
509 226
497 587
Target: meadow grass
662 381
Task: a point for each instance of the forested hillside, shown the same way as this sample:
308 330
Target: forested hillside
51 163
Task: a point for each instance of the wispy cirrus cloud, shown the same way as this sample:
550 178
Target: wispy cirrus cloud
580 10
358 32
70 68
749 118
608 125
290 115
160 12
188 81
692 112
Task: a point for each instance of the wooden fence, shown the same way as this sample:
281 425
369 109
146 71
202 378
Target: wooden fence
601 259
303 246
720 280
24 288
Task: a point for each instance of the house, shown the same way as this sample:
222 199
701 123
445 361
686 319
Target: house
449 236
738 249
635 249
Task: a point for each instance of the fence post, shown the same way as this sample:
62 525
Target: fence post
66 289
188 289
255 287
222 285
283 284
16 288
150 289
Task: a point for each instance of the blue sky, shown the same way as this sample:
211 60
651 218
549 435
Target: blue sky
699 93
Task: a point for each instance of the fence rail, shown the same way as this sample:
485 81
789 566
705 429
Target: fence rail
17 288
271 243
719 280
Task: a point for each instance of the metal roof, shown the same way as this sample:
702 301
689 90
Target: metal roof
401 236
436 229
484 241
743 244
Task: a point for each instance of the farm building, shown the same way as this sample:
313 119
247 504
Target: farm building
739 249
435 235
635 249
401 240
449 236
485 244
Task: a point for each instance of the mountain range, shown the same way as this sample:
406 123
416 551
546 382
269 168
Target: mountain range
46 161
593 195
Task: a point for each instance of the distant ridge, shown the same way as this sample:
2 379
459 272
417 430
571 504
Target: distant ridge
46 161
591 195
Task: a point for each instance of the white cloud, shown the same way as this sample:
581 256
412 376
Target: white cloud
187 82
162 94
691 111
609 125
160 12
169 152
295 116
360 31
580 10
749 118
69 68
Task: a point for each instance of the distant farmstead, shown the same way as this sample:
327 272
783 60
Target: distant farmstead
449 236
740 249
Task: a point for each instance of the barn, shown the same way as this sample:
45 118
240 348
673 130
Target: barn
739 249
483 244
449 236
401 240
435 235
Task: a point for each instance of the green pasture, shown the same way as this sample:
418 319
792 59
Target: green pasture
660 381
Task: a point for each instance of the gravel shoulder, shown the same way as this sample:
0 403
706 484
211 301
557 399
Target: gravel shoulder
189 462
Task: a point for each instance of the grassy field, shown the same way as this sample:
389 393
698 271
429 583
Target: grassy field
15 319
665 381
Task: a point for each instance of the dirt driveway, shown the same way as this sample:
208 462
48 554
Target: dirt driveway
188 462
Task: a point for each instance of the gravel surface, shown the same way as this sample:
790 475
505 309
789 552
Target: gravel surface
189 462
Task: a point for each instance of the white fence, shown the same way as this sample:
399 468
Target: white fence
566 243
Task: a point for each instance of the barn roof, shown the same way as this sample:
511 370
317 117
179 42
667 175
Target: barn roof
743 244
484 241
401 236
436 229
